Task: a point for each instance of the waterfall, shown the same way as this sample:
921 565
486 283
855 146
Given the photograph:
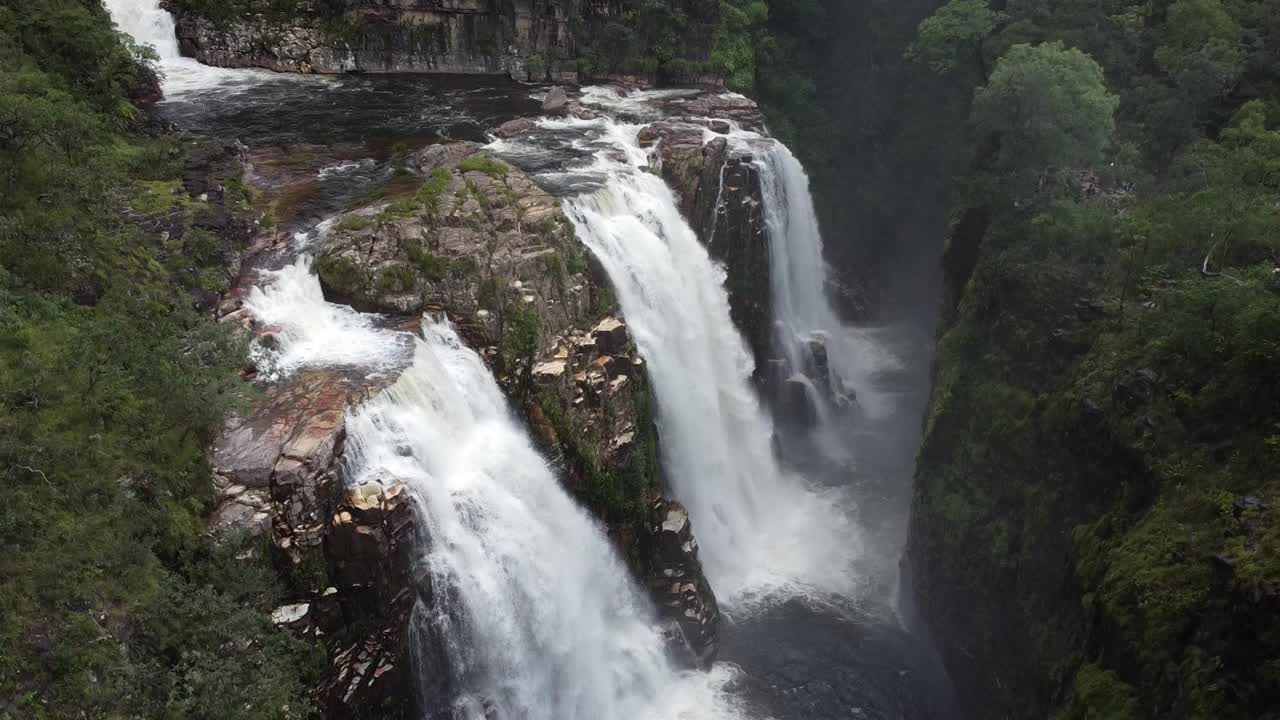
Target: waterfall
802 308
148 24
762 531
540 617
333 335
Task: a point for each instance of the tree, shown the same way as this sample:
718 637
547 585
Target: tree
740 35
1201 54
1048 106
953 36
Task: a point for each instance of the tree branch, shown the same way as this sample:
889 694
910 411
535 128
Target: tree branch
1204 266
33 471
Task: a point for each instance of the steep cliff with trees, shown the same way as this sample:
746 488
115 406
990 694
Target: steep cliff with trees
112 241
1095 527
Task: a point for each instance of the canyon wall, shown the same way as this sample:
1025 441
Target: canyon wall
534 40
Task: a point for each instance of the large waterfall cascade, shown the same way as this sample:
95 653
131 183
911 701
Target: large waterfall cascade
540 617
763 531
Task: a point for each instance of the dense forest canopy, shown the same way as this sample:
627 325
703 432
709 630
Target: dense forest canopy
115 602
1107 388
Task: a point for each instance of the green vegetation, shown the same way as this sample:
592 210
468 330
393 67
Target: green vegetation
1106 384
356 223
431 191
485 164
432 267
619 495
1100 695
521 333
652 39
1048 107
952 37
399 188
342 274
395 279
740 35
115 601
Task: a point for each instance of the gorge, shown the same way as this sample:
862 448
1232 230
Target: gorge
618 359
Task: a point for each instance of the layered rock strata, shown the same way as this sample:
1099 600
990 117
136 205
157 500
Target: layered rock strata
535 40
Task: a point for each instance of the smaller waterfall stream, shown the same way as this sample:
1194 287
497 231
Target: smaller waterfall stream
149 24
146 23
803 312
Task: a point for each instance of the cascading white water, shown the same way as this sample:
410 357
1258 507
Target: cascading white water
149 24
799 276
761 530
545 622
333 335
540 618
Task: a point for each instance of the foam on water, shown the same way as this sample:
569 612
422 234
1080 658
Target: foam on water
307 331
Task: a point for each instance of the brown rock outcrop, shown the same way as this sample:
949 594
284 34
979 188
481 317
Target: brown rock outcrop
678 586
346 553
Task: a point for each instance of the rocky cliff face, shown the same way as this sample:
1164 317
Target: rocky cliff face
346 553
532 40
676 581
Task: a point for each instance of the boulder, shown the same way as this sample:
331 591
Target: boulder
797 400
515 128
581 112
476 240
718 186
556 102
678 586
712 107
610 336
429 158
298 424
549 372
372 545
